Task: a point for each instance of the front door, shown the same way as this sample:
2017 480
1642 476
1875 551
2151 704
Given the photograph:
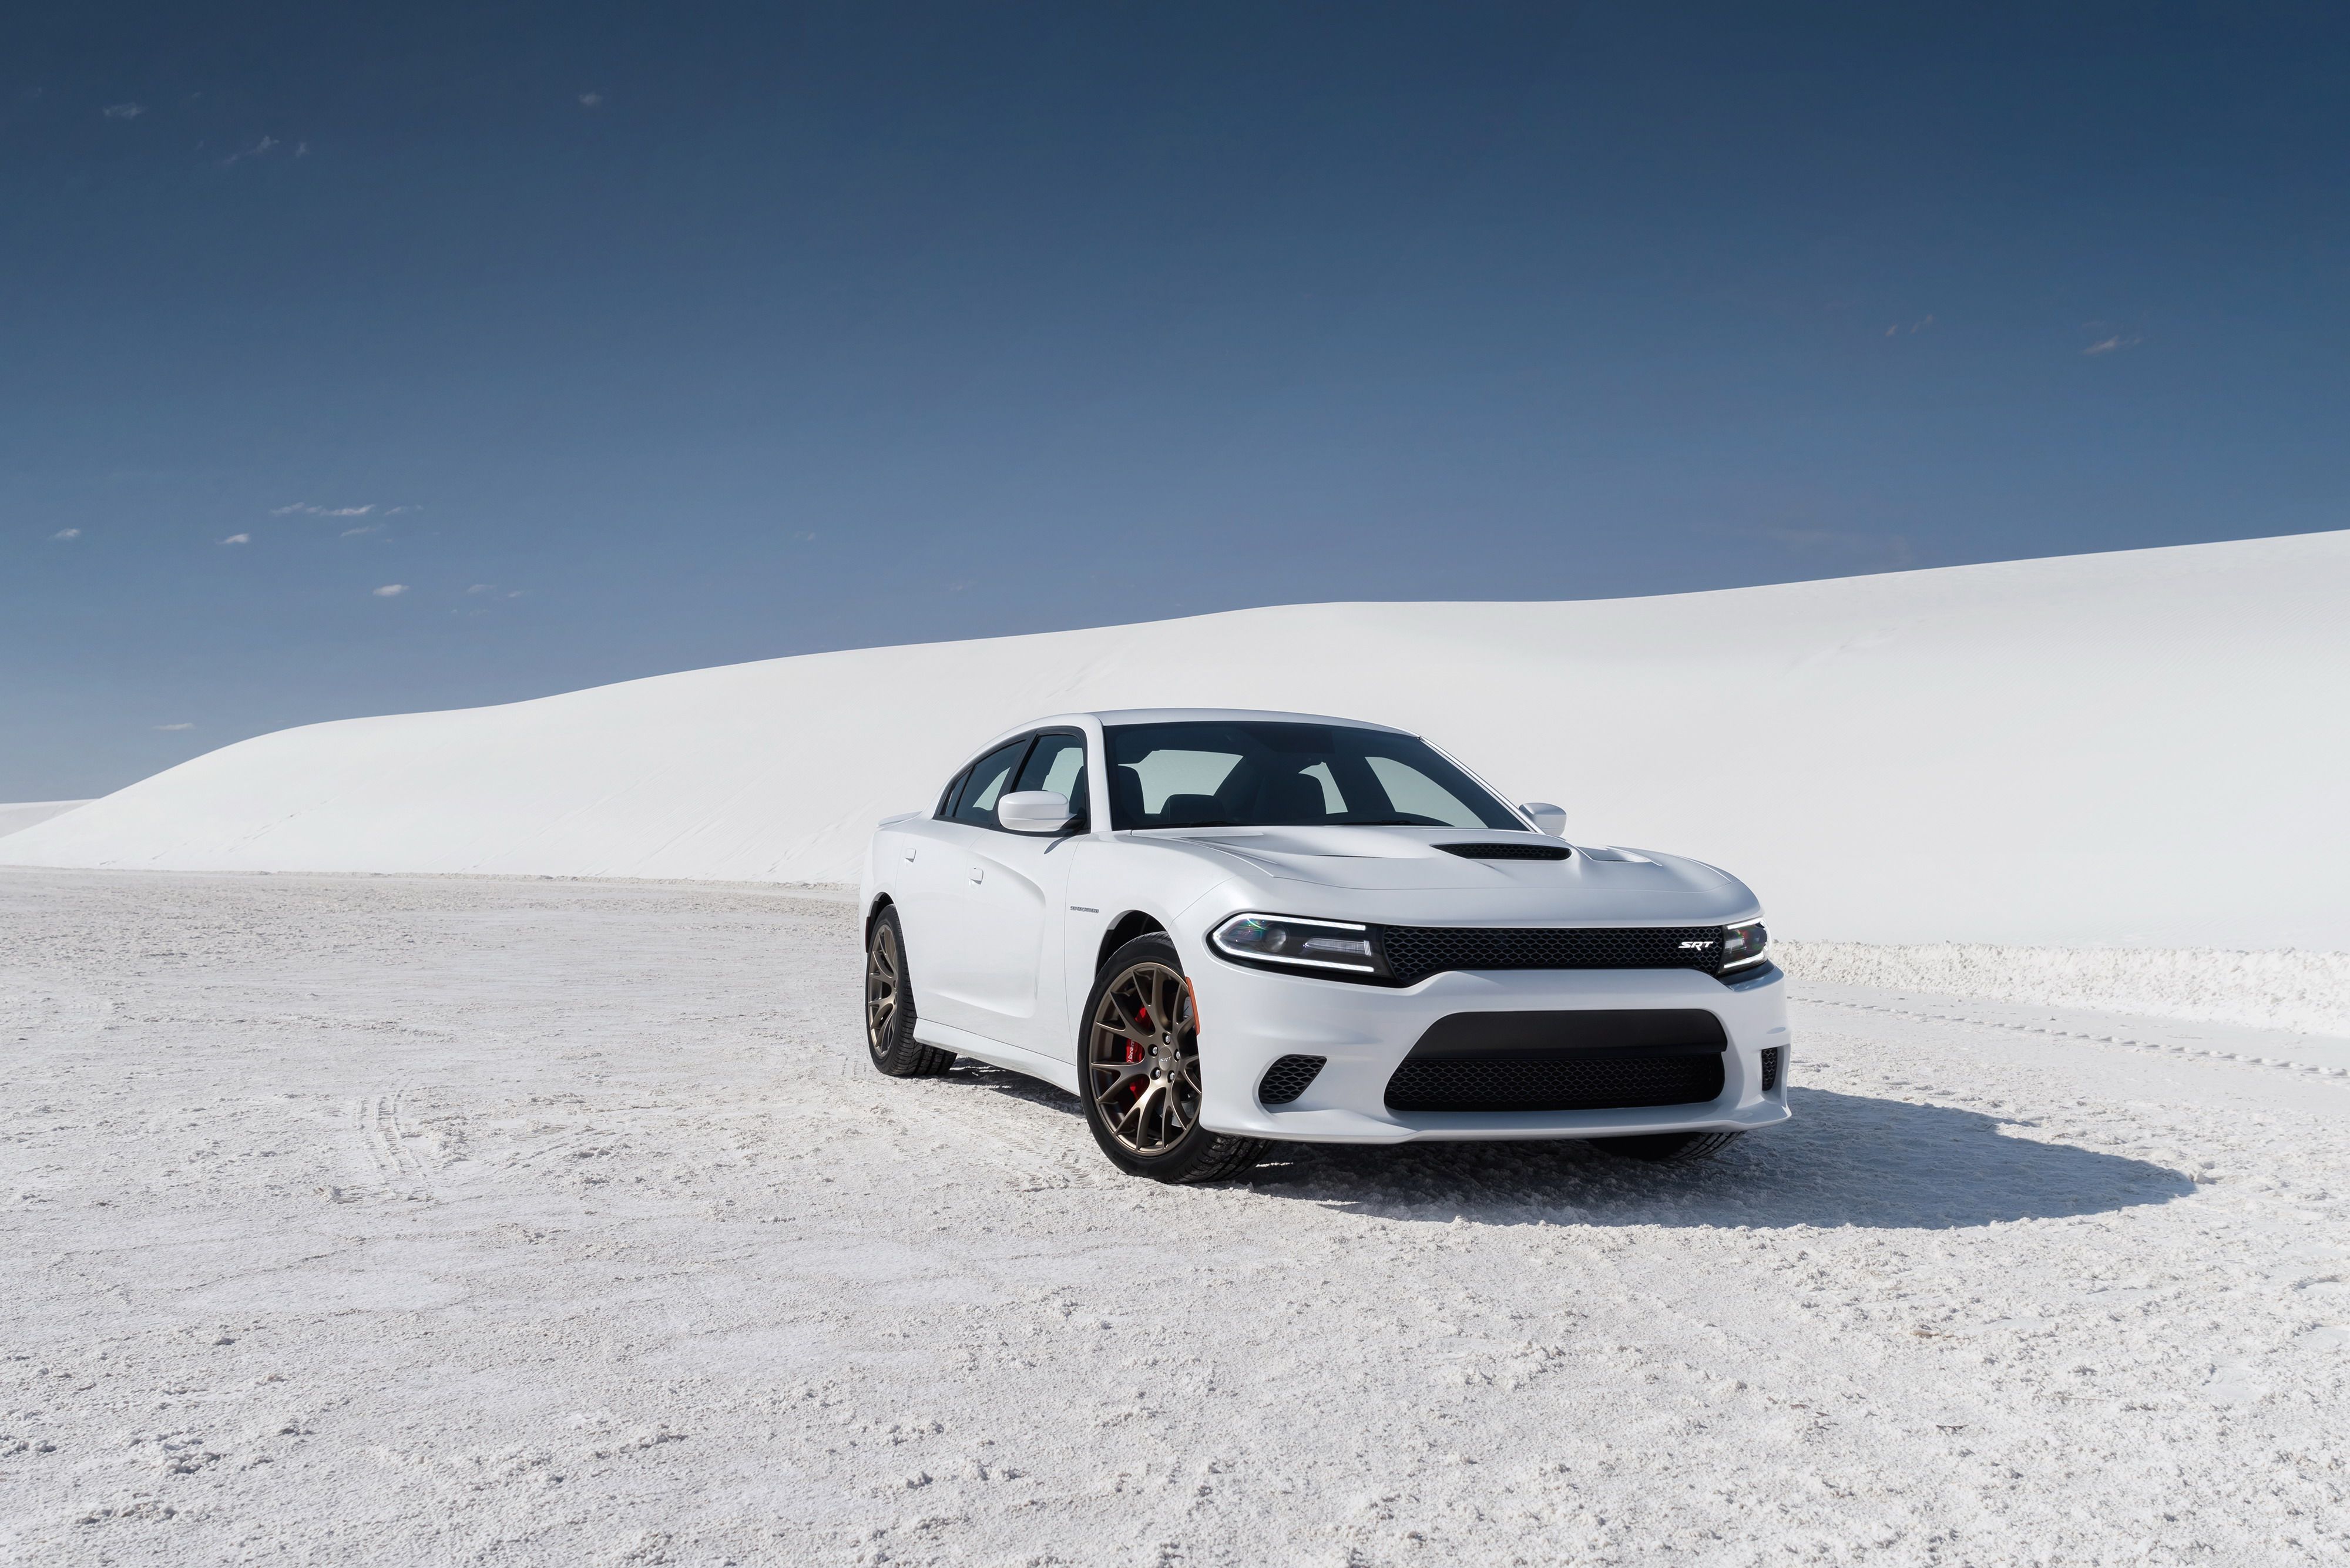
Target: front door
1012 896
1005 904
1029 874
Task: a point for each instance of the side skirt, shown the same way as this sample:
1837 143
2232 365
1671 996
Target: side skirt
1062 1075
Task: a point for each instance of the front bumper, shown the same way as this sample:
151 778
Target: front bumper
1249 1019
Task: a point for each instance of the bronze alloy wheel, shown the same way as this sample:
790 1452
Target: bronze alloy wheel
1143 1059
882 968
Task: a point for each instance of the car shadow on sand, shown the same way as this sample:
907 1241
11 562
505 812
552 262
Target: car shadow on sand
1844 1159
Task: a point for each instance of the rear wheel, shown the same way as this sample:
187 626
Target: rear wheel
1140 1060
890 1006
1668 1148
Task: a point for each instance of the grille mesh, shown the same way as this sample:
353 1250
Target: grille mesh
1508 851
1415 952
1771 1058
1288 1078
1555 1081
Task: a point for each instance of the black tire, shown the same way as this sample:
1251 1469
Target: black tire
890 1006
1668 1148
1149 1067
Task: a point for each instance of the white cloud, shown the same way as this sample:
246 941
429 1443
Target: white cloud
238 539
123 111
392 590
481 588
175 726
67 534
591 99
2110 345
306 510
355 532
255 151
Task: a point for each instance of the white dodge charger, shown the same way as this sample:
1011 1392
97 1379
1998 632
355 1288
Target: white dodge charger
1223 928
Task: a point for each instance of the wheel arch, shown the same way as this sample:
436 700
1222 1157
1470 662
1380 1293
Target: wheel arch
1133 923
880 901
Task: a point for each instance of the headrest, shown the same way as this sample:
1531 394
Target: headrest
1292 797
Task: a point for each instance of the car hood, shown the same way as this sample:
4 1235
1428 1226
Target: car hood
1403 875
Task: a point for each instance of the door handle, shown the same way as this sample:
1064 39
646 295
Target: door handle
979 872
910 854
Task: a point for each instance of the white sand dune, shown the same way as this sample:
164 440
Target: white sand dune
17 816
2307 991
2145 748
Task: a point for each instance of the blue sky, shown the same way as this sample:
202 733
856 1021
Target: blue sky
628 339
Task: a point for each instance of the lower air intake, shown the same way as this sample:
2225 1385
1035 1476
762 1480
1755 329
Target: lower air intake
1288 1078
1571 1061
1561 1081
1771 1058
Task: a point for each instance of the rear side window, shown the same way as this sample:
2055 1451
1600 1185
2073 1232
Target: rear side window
947 796
1058 763
990 778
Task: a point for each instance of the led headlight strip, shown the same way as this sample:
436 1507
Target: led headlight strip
1302 944
1743 945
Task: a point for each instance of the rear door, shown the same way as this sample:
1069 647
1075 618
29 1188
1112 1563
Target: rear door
959 964
916 857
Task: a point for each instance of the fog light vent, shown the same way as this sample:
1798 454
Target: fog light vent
1288 1078
1771 1060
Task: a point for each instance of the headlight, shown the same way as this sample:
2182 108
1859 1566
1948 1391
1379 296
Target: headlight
1743 945
1301 944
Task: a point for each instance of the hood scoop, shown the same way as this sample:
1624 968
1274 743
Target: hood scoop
1507 851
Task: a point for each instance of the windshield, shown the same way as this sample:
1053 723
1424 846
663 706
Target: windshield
1250 775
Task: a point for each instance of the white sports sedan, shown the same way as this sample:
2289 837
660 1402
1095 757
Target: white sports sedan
1220 930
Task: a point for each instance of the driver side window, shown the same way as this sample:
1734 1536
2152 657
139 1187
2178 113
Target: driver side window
1058 763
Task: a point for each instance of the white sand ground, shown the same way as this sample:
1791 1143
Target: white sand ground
2137 749
403 1221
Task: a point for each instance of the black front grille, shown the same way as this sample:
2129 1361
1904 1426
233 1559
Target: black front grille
1415 952
1508 851
1771 1058
1556 1081
1288 1078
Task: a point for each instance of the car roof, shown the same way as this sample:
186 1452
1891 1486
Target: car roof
1110 716
1214 715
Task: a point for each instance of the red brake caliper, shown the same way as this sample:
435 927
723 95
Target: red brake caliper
1133 1051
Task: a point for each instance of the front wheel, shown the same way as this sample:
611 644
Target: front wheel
1140 1056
